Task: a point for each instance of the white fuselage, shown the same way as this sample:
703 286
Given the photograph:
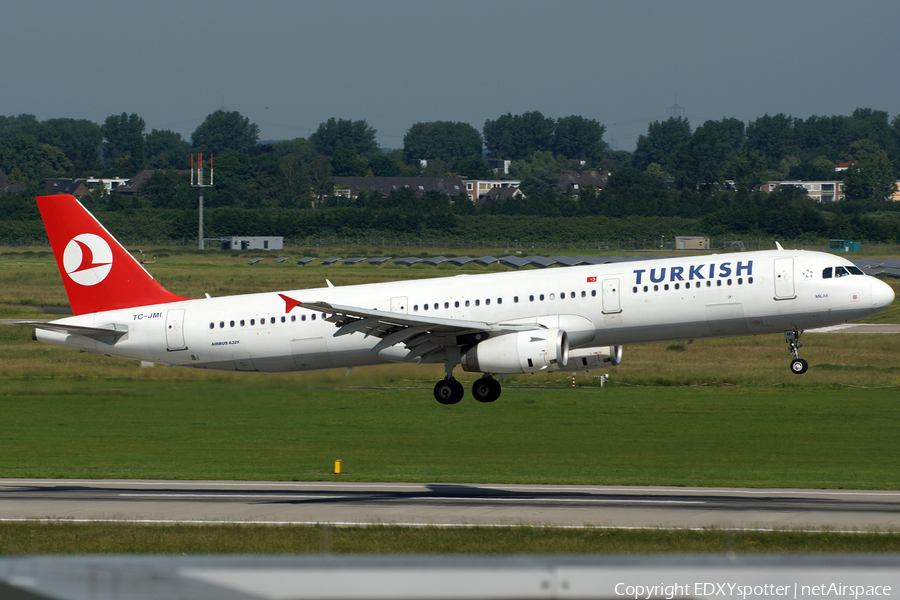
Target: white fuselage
600 305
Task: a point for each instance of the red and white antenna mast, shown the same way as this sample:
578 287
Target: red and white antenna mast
197 182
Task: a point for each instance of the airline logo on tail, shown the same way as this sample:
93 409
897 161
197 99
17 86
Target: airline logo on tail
87 259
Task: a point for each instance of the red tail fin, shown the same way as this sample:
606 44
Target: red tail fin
99 274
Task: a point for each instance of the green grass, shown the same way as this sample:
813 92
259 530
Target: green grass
125 538
249 428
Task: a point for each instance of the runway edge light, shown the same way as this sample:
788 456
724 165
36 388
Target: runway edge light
337 467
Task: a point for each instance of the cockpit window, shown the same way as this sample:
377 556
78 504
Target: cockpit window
855 270
841 272
826 274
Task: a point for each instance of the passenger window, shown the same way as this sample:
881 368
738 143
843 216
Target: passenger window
655 288
487 301
272 320
499 300
253 321
594 293
212 325
541 297
583 293
221 324
646 288
415 308
446 305
572 295
531 298
729 282
293 318
677 286
826 274
303 318
515 299
467 304
424 307
456 304
231 323
634 289
282 319
478 303
313 317
242 322
553 296
666 287
435 306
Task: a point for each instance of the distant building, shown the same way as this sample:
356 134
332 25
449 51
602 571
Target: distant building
75 187
350 187
499 165
895 197
476 189
244 242
691 242
6 186
503 193
820 191
575 182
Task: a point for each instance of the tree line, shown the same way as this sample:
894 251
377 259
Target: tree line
705 179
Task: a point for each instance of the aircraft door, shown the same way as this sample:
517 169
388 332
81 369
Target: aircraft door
784 279
611 302
175 329
398 305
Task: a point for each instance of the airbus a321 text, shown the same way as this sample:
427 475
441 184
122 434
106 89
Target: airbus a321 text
563 319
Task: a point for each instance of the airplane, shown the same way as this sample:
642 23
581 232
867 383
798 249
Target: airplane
564 319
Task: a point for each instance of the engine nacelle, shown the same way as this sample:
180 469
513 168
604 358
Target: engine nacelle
586 359
522 352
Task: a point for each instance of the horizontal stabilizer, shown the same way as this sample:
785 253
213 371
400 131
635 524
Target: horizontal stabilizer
113 329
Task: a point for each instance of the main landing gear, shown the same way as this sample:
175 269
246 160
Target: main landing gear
792 337
450 391
486 389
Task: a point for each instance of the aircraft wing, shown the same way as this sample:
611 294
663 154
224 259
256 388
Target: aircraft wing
422 335
112 329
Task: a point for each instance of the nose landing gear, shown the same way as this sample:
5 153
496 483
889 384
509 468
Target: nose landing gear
792 337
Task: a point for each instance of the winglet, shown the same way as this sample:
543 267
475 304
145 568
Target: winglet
777 245
289 303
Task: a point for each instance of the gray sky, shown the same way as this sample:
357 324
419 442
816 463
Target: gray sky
289 65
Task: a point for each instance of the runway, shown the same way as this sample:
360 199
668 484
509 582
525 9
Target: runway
445 504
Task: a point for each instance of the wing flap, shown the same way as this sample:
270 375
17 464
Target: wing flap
423 336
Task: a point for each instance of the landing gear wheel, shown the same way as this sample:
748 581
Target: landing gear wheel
799 366
792 337
448 391
486 389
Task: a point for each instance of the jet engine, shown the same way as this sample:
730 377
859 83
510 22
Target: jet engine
522 352
586 359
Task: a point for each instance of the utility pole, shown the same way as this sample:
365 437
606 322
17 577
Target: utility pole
197 182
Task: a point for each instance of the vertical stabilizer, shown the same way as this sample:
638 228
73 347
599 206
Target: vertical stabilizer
98 273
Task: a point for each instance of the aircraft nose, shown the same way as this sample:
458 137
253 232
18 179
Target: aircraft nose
882 294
